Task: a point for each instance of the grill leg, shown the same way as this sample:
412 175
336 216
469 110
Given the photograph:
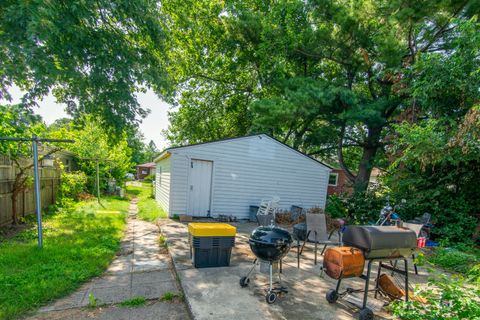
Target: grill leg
316 246
337 289
414 264
365 294
253 267
271 275
298 253
378 277
406 279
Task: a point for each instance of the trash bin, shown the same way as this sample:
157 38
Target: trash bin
253 213
211 244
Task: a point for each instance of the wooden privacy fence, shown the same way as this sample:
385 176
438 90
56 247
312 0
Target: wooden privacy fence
49 184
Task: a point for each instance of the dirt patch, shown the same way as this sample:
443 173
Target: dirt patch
11 231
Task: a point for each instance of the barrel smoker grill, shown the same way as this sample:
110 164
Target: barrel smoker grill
379 244
269 244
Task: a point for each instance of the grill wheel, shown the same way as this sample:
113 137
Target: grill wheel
366 314
244 281
332 296
271 297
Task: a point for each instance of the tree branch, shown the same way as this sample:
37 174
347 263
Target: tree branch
443 29
317 56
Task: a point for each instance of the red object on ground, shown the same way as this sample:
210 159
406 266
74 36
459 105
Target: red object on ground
421 242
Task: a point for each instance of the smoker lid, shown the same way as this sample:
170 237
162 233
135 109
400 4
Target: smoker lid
370 238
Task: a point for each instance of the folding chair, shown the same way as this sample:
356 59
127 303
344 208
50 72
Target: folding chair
266 212
317 233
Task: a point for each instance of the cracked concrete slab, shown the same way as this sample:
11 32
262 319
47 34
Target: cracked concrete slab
220 286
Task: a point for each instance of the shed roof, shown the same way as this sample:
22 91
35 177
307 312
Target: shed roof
166 152
147 165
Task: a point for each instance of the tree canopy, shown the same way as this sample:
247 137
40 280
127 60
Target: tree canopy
93 55
328 77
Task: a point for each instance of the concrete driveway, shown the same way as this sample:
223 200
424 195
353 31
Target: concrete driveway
215 293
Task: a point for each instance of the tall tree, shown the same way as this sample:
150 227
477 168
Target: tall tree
91 143
94 55
321 75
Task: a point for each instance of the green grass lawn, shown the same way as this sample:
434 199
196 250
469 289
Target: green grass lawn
148 208
78 244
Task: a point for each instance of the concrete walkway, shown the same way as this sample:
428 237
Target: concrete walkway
140 270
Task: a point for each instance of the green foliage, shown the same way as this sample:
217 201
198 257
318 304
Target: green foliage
93 142
17 121
149 178
148 208
448 297
436 166
141 152
336 207
452 259
78 244
71 185
92 301
169 296
95 56
358 208
322 76
134 302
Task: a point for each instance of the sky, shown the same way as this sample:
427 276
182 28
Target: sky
151 126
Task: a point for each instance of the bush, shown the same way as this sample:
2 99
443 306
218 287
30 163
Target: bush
448 297
358 208
149 178
336 208
72 184
453 259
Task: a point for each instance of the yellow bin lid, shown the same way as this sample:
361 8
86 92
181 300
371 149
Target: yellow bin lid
211 230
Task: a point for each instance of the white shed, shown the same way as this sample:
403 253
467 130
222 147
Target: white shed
226 177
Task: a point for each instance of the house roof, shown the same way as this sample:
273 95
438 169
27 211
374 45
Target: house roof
166 152
147 165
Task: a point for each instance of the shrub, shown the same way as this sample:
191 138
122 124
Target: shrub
72 184
358 208
149 178
453 259
335 207
448 297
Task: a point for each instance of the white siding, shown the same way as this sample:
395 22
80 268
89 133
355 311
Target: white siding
247 170
162 183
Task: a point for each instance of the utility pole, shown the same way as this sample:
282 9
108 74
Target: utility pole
38 205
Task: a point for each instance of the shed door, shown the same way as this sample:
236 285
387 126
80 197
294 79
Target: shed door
200 187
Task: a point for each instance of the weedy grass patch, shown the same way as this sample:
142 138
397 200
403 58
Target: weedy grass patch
148 208
169 296
134 302
78 244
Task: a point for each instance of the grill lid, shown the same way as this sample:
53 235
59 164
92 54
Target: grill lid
381 241
270 243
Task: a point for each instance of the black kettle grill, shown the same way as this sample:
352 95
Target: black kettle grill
269 244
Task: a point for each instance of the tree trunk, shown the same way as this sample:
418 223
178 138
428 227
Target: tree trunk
360 184
14 207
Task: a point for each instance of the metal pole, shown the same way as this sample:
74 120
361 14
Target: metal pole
98 183
37 190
